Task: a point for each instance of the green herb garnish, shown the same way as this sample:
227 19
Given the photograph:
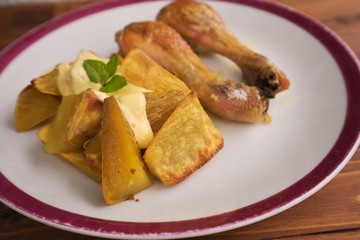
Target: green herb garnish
115 83
99 72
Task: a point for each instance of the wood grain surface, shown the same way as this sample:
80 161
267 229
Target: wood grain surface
332 213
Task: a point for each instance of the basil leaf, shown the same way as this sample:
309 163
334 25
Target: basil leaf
116 82
96 71
112 65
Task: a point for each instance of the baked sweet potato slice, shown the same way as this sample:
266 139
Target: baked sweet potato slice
141 70
47 83
33 107
77 120
123 170
187 140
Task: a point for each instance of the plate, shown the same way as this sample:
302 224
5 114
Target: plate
262 169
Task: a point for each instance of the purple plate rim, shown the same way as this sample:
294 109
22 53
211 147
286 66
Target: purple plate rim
334 161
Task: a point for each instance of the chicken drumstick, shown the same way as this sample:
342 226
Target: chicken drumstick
228 99
204 29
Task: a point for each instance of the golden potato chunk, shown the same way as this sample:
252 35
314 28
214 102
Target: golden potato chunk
186 141
141 70
77 158
47 83
33 107
77 120
123 170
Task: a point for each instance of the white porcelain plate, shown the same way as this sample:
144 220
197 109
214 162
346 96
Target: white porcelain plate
262 169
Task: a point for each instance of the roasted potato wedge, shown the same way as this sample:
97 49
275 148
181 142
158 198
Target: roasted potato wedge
76 158
33 107
187 140
47 83
141 70
123 170
159 106
77 120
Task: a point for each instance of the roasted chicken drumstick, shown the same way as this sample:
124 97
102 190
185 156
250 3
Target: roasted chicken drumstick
228 99
204 29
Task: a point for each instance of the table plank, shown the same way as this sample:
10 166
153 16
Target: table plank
342 235
332 213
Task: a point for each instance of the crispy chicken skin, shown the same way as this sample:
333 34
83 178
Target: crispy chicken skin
226 98
205 31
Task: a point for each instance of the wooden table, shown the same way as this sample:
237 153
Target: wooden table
331 213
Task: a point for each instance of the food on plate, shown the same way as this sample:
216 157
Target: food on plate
81 74
128 119
102 123
139 69
123 170
25 116
228 99
159 107
78 119
205 30
186 141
